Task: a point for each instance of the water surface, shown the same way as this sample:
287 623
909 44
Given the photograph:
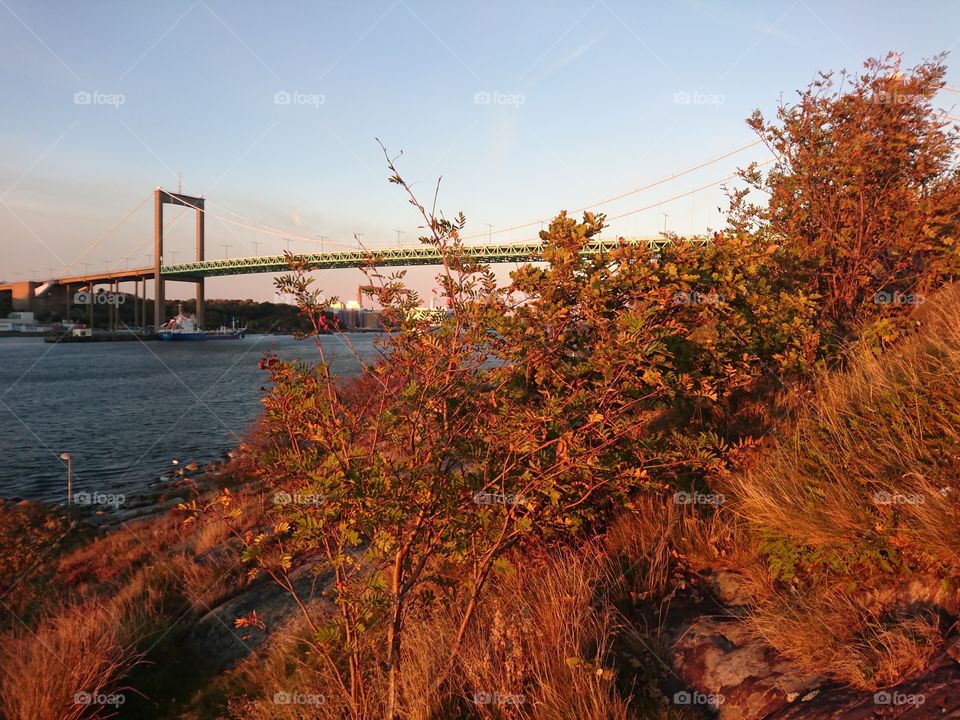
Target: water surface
124 410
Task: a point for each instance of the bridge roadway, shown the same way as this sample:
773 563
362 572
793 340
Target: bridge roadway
197 271
404 256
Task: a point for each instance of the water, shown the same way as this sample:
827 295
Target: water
124 410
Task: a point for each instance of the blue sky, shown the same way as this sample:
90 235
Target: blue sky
524 108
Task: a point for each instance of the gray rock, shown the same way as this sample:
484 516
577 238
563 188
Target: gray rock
720 656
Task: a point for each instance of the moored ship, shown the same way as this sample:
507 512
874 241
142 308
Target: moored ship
184 327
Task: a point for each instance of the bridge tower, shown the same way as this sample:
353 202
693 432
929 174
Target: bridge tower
160 198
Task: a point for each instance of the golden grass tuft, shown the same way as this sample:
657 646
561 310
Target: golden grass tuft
877 455
44 675
860 493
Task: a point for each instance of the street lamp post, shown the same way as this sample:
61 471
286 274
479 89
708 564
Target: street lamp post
69 460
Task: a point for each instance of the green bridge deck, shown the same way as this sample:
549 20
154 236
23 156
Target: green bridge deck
425 255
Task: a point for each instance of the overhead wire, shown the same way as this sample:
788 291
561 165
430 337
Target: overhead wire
104 236
622 195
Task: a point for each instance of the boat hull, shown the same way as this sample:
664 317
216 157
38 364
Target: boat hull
171 335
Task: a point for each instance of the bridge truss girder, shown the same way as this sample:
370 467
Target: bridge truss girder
425 255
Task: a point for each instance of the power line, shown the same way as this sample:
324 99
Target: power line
256 224
629 192
105 235
686 194
263 227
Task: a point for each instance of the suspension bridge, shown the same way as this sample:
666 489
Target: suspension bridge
348 255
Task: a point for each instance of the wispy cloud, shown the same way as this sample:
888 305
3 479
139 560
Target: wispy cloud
571 57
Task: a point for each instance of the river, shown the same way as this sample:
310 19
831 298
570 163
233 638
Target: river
125 410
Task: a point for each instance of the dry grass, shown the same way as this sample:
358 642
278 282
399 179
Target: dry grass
544 641
889 428
539 648
823 630
46 675
860 493
541 645
117 592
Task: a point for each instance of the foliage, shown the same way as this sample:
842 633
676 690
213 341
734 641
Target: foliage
530 411
32 538
526 411
864 194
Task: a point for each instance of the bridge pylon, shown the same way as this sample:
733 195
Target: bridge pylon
160 198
